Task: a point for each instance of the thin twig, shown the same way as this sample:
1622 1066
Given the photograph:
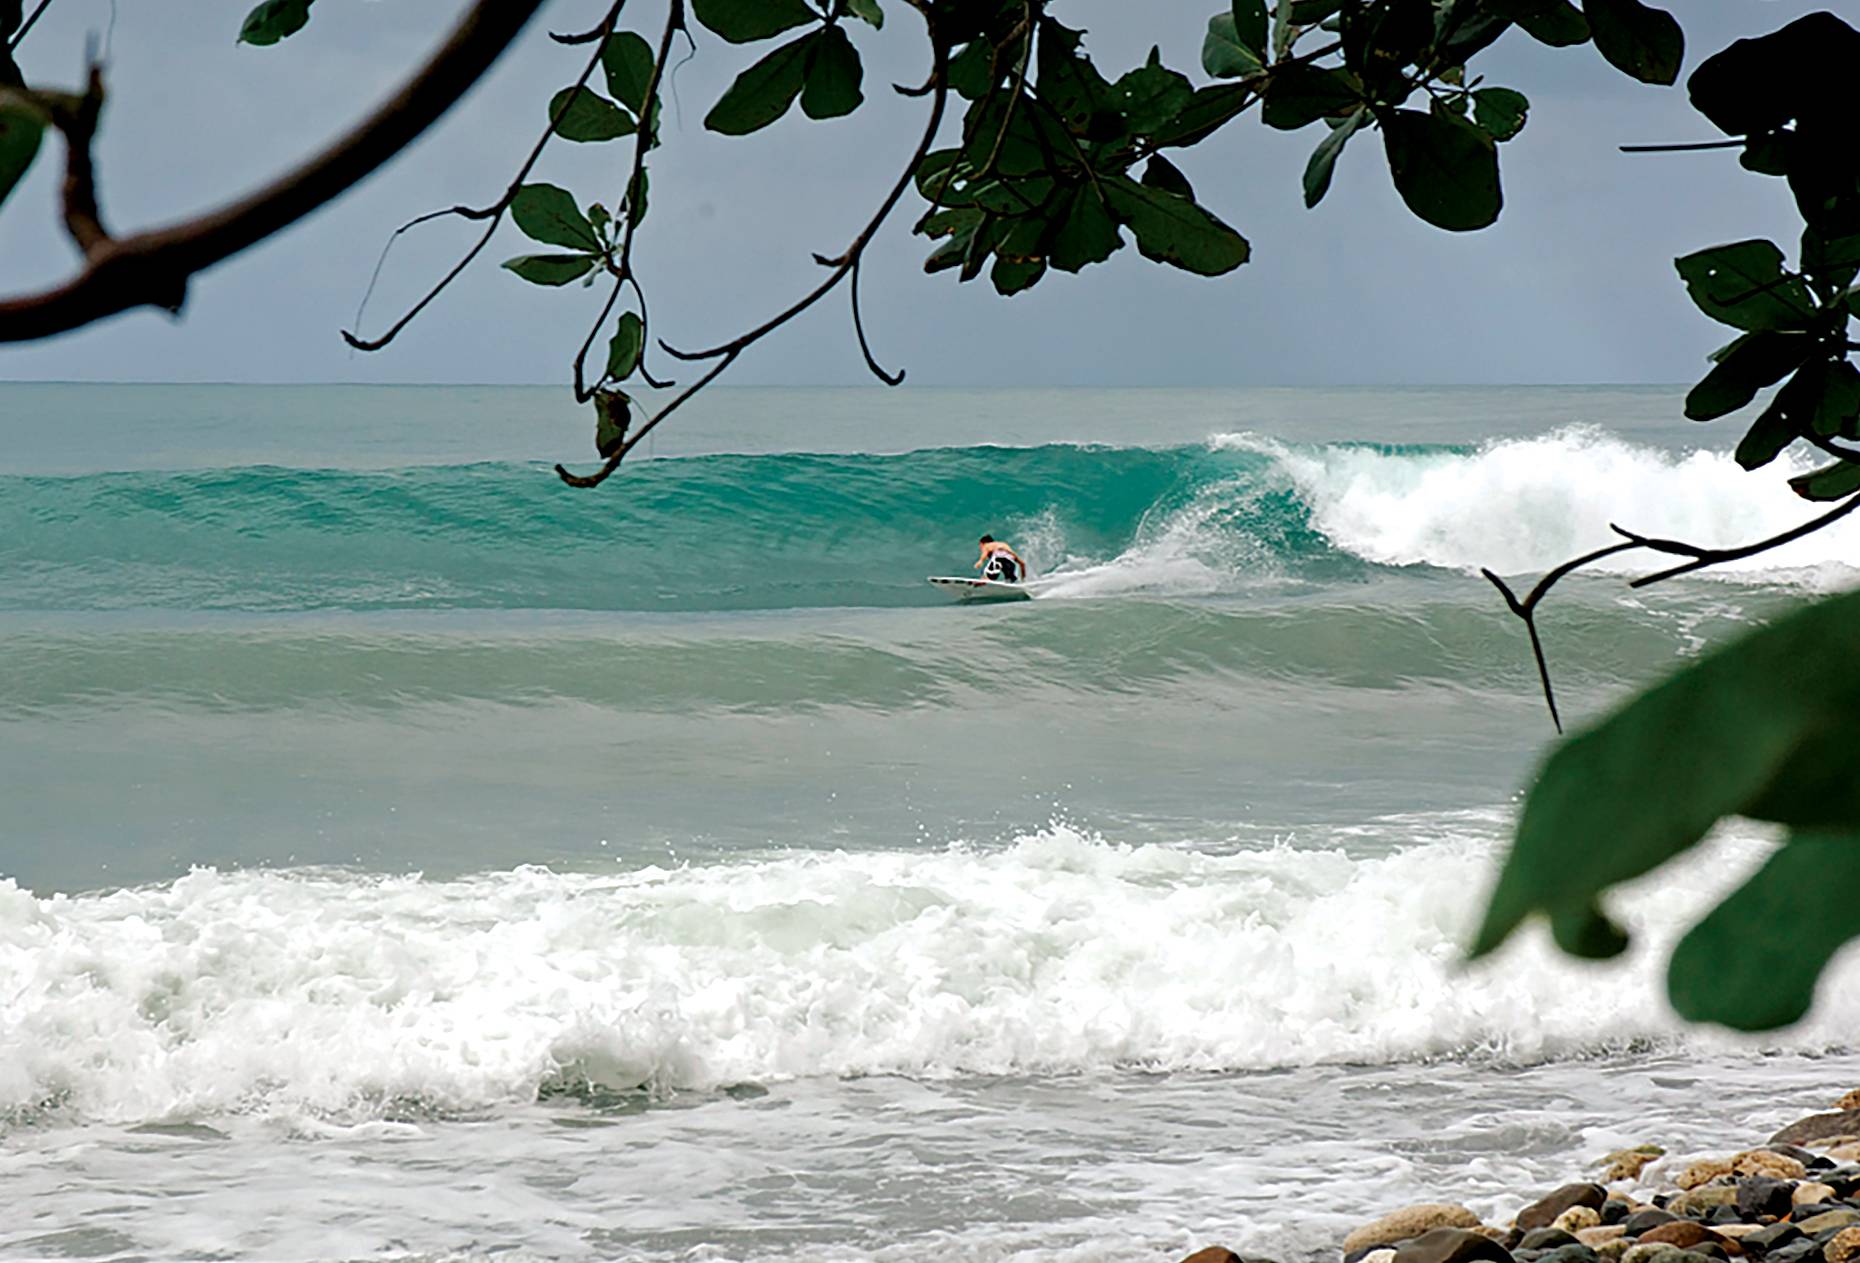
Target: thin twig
1703 557
153 268
1527 610
1694 145
25 26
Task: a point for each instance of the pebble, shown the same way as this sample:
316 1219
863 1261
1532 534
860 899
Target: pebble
1769 1163
1811 1194
1641 1220
1844 1247
1703 1199
1703 1171
1820 1127
1451 1245
1545 1239
1577 1218
1840 1218
1682 1234
1626 1164
1593 1237
1759 1196
1648 1252
1410 1221
1543 1212
1214 1254
1849 1102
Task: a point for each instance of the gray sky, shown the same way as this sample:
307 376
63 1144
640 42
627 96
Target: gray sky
1574 283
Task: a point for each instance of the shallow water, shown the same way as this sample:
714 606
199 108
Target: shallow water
406 856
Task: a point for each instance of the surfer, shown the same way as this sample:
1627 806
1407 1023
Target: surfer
1000 563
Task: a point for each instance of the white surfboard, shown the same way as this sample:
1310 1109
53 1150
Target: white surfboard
981 589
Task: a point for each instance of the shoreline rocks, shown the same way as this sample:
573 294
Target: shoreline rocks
1793 1199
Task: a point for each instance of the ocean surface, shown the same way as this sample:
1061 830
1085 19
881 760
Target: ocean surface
405 856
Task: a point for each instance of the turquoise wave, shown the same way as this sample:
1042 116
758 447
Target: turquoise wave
702 533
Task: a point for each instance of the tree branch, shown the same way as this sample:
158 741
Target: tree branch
153 268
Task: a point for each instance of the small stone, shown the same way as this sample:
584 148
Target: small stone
1811 1193
1697 1202
1767 1162
1506 1237
1214 1254
1545 1239
1844 1247
1719 1215
1451 1245
1641 1220
1362 1252
1760 1197
1593 1237
1772 1236
1704 1171
1379 1254
1711 1250
1569 1254
1823 1128
1543 1212
1804 1251
1805 1156
1841 1218
1682 1233
1577 1218
1626 1164
1615 1209
1849 1152
1647 1252
1611 1251
1410 1221
1849 1102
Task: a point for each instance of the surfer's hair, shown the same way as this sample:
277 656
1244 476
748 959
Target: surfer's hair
988 539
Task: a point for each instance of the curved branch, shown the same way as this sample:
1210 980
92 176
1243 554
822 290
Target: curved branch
865 348
494 212
1527 610
153 268
726 354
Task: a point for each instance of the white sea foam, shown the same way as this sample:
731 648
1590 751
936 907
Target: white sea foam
1519 505
332 993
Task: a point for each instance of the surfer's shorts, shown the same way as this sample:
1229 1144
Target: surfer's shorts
1000 569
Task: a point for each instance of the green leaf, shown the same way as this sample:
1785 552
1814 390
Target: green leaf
624 348
1206 112
1226 54
746 21
21 130
762 93
1775 428
1746 366
1557 23
637 188
1793 74
1250 26
598 216
1743 285
1160 173
867 11
1012 276
1087 234
1324 157
1069 83
1838 399
1500 111
1639 40
1752 963
1648 781
1172 229
1311 12
582 114
613 413
1445 169
274 20
1152 95
832 76
1830 482
627 60
1830 264
551 269
1301 93
548 214
972 71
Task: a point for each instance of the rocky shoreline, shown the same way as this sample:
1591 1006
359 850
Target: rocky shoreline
1794 1198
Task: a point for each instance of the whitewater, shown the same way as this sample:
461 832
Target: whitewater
406 857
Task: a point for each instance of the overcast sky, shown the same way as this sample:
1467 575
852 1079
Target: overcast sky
1574 283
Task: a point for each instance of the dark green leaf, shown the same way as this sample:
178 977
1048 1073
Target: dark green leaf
1152 95
627 61
274 20
1746 366
745 21
762 93
1500 111
1830 264
1445 169
624 347
551 269
1830 482
1173 229
1311 12
1768 153
637 187
1087 234
1651 779
833 75
613 413
1557 23
867 11
598 216
972 71
1324 157
1011 276
1301 93
1639 40
1208 110
1226 54
1775 428
582 114
21 129
548 214
1162 174
1250 26
1838 404
1743 285
1800 72
1070 84
1752 963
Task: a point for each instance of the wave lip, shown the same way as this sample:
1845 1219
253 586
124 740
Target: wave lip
1523 505
336 994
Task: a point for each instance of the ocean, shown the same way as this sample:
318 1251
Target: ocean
405 856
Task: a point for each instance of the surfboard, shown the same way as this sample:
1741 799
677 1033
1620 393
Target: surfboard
981 589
